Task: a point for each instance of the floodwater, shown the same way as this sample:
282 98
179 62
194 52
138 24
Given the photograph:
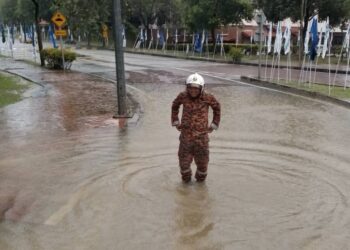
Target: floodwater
72 178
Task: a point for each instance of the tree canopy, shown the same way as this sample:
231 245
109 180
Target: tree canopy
209 14
336 10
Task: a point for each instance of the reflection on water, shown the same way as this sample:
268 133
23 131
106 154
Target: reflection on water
278 175
193 216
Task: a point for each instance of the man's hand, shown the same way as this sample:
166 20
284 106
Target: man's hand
212 127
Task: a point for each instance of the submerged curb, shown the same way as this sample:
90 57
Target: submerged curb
301 92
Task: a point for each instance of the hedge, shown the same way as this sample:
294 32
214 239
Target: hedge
53 58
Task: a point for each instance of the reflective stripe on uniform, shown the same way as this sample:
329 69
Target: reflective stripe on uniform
202 173
185 171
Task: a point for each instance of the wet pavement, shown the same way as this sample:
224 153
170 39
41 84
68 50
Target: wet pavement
73 178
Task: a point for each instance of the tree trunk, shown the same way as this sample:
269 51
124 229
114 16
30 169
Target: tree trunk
38 33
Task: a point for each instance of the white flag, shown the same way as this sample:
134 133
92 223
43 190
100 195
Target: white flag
222 39
176 40
22 33
203 37
287 36
307 37
9 39
278 39
346 40
320 36
326 39
269 41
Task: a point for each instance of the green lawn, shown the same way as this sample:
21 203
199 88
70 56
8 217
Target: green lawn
10 89
336 92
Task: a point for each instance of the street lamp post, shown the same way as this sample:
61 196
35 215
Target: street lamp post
119 60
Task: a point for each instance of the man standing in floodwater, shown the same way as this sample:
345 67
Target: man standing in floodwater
194 139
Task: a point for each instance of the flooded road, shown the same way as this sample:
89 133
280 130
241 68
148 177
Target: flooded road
75 179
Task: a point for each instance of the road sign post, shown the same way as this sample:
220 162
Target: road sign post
59 20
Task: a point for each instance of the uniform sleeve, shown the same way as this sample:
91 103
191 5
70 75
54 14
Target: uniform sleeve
215 105
175 110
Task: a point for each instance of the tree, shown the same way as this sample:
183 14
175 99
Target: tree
86 16
154 11
210 14
8 10
38 33
275 10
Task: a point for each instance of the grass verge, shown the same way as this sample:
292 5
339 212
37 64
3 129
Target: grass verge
11 89
336 91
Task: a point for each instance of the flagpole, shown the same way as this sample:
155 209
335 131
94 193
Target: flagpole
302 70
272 73
267 55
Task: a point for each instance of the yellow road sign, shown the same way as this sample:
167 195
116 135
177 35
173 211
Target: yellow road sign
58 19
60 32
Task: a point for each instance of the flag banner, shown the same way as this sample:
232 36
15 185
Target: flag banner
197 43
217 40
287 37
278 39
176 37
326 38
161 38
141 35
322 30
52 38
314 39
202 40
307 37
124 37
346 40
269 40
21 33
145 38
184 36
9 40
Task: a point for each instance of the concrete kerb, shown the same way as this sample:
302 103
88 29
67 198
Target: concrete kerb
301 92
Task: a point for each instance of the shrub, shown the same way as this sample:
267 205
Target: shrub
53 58
235 54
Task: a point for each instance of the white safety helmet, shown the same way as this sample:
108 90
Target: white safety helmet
195 80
